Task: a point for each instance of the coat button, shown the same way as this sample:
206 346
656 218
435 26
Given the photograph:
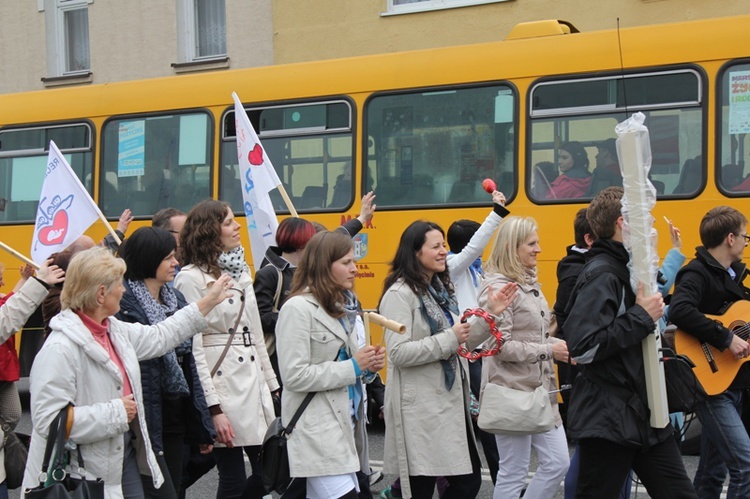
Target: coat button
252 358
543 356
324 337
542 313
546 335
241 359
218 373
536 292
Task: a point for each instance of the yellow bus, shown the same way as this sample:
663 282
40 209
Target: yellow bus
422 129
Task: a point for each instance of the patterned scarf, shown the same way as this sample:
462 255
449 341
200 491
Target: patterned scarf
233 262
348 322
436 307
173 380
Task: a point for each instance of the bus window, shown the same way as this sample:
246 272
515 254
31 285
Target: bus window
311 148
23 162
573 142
435 147
155 162
733 142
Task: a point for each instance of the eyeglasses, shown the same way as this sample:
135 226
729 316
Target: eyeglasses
177 232
746 236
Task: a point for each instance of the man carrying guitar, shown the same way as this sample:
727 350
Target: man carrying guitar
708 285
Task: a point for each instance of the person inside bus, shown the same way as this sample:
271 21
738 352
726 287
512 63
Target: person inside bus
707 285
607 171
544 174
575 178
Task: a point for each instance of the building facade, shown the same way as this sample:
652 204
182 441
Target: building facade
49 43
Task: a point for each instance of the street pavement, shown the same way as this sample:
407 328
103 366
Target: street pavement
205 488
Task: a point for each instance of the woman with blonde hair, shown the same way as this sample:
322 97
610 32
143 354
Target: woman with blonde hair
90 359
230 353
525 361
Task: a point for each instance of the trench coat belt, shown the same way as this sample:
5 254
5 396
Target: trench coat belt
220 340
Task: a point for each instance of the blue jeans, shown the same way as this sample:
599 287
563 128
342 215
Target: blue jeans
725 445
3 491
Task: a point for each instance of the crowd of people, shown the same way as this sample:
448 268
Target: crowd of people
172 359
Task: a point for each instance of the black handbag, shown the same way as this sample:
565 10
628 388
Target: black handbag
60 483
684 391
274 457
16 454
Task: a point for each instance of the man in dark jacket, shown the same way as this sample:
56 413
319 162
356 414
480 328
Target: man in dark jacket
568 270
708 285
608 412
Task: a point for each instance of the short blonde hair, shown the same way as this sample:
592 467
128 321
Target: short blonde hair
513 232
87 271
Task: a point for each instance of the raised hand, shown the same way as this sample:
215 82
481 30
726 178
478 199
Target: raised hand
500 299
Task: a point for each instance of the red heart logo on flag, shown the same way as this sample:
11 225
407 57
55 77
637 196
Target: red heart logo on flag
256 155
55 233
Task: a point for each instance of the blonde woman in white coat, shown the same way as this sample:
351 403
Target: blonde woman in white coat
318 352
525 361
238 386
428 431
91 359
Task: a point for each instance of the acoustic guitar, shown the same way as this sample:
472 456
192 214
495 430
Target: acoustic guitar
715 369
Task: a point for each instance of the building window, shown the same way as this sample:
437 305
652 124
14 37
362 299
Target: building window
75 31
67 25
409 6
204 25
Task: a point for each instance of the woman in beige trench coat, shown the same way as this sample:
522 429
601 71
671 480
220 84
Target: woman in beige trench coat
428 426
238 385
319 352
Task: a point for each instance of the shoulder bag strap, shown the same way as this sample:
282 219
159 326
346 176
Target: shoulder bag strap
301 409
277 294
232 331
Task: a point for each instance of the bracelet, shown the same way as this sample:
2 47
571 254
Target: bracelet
492 323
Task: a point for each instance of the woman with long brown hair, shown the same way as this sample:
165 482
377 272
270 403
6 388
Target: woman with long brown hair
319 352
230 354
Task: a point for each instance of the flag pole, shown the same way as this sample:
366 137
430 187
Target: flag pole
109 227
287 200
19 255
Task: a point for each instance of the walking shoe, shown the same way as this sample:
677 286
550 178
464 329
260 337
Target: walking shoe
375 477
386 493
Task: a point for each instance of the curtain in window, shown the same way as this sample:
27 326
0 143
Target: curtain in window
210 28
77 40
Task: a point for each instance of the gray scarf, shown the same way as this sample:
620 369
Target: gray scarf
436 306
173 380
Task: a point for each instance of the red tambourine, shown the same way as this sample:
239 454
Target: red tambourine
490 320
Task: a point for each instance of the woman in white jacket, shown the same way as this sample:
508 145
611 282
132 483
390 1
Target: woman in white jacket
15 309
319 352
230 354
90 359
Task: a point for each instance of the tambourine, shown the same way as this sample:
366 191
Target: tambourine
484 352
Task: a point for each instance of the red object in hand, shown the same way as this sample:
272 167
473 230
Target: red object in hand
489 185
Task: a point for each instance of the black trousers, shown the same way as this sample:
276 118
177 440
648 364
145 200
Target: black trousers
605 466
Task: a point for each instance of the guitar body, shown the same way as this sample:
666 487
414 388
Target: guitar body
715 381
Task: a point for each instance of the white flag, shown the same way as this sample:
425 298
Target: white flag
65 208
258 179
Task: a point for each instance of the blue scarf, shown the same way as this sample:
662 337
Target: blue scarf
348 322
475 268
